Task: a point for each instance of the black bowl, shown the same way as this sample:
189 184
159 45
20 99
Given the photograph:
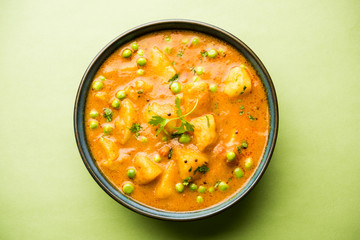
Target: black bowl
85 84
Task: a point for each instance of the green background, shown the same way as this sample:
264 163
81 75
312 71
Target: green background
311 187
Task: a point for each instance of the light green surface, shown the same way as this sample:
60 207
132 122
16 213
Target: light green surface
311 188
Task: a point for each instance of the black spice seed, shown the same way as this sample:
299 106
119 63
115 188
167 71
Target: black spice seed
147 100
204 182
195 160
236 132
169 114
185 161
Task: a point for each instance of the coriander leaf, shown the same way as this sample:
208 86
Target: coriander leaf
243 90
180 53
170 153
174 78
186 181
178 107
136 128
239 149
203 169
208 121
158 120
251 117
108 114
204 53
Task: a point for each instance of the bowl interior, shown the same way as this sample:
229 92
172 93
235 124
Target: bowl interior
79 125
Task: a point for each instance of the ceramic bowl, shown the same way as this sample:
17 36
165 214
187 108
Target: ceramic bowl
85 84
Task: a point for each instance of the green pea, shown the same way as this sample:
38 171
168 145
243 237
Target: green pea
199 199
213 88
126 53
244 144
134 46
199 70
157 158
93 113
140 52
175 87
168 49
238 172
179 187
121 94
193 187
248 163
93 124
140 72
167 38
230 156
212 53
115 103
97 85
211 189
223 186
131 172
107 128
141 61
195 41
102 78
164 138
128 188
202 189
184 138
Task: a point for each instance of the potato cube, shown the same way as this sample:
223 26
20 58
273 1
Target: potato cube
110 148
167 182
196 90
163 110
160 65
189 159
237 82
146 169
204 131
127 116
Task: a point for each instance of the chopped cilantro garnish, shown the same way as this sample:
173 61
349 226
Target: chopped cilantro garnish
136 128
208 121
239 149
174 78
185 125
251 117
186 181
170 153
204 53
203 169
108 114
243 90
180 53
242 107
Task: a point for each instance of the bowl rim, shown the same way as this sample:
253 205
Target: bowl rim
175 24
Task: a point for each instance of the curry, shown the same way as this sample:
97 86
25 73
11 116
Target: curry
177 120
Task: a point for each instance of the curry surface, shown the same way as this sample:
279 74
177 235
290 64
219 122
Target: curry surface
245 117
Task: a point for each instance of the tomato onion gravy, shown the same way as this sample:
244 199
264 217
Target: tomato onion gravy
177 120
